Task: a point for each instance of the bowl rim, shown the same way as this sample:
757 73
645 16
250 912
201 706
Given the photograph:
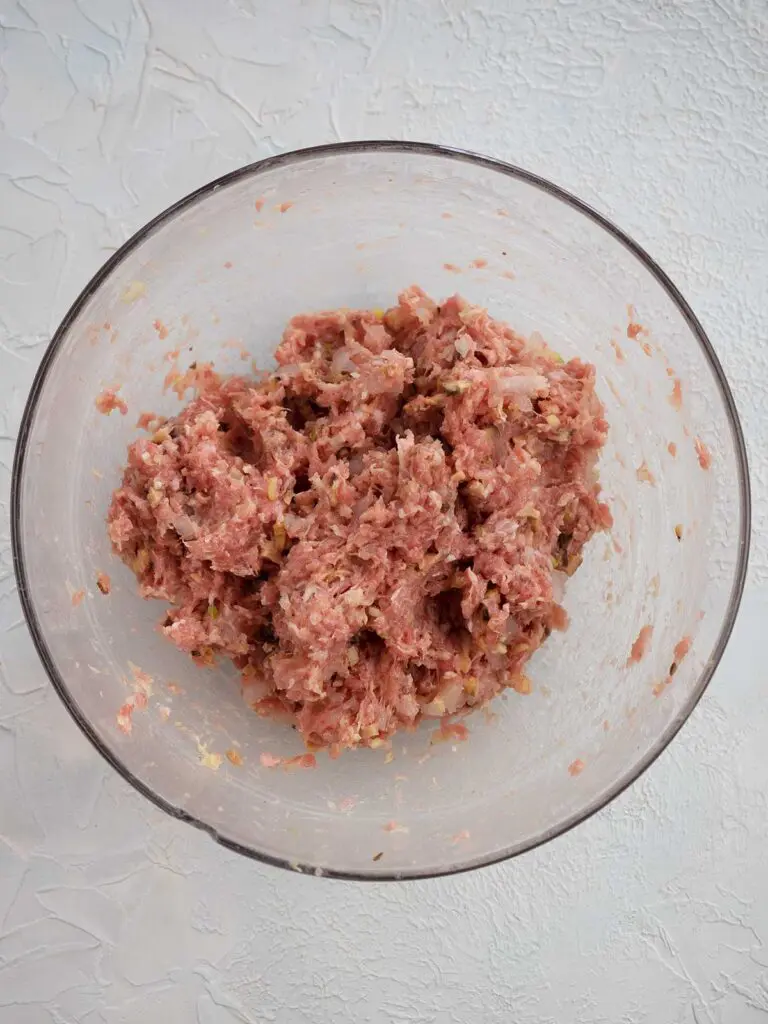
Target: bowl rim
307 155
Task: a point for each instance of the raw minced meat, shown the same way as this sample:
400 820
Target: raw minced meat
379 530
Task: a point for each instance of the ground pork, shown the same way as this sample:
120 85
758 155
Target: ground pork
380 529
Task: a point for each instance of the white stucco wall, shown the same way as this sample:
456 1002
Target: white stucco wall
654 911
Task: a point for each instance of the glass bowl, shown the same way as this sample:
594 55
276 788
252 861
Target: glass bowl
216 277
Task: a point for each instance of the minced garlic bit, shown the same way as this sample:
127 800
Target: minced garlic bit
522 684
456 387
279 536
208 759
134 291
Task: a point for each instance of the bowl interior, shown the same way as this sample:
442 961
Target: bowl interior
217 279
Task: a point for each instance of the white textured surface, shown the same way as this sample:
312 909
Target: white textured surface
656 909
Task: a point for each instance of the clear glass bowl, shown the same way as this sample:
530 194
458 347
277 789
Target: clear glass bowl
216 277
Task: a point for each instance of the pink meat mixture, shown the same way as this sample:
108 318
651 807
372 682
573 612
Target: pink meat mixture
379 530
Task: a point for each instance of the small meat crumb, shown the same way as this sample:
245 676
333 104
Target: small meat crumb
77 598
644 475
576 767
633 330
109 400
703 453
676 398
284 207
142 680
679 531
150 421
288 763
450 731
103 582
234 758
124 723
451 268
162 330
479 264
672 449
300 761
682 648
259 204
640 645
620 356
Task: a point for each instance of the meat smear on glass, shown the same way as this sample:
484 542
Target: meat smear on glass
379 530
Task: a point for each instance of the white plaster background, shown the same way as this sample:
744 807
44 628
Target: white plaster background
654 911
